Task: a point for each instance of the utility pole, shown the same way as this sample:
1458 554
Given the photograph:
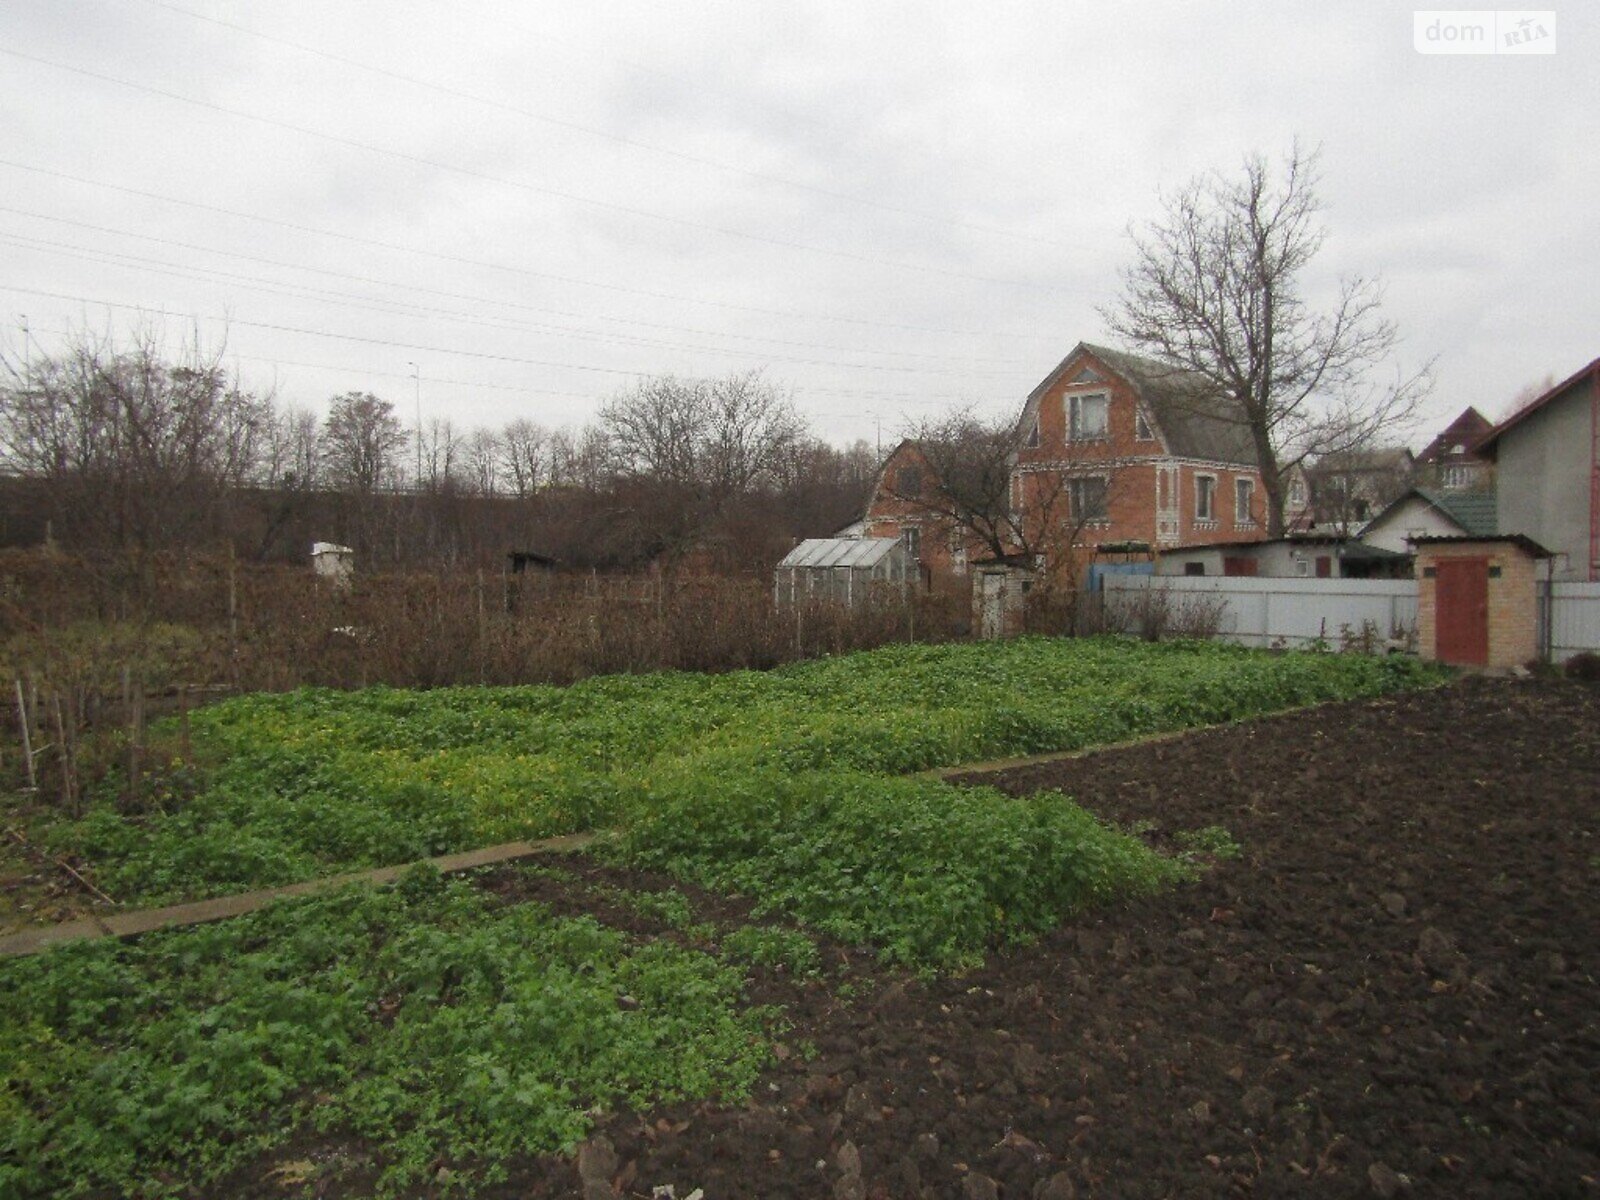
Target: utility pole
416 375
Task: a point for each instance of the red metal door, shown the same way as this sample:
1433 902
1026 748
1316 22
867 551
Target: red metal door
1461 611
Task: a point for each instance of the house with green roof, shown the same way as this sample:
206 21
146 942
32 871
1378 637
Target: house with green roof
1426 512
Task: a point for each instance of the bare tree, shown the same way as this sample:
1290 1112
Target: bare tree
684 450
1527 394
1218 287
711 438
361 442
442 454
292 455
971 488
524 456
482 459
133 449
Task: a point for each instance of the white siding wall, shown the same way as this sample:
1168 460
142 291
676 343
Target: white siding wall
1415 516
1289 612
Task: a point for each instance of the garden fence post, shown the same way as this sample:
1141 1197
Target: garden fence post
27 738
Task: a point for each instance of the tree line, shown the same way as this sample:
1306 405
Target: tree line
127 448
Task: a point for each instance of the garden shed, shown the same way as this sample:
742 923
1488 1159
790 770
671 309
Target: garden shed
1477 599
845 570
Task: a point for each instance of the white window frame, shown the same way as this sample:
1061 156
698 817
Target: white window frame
1210 515
1141 426
1075 403
1075 491
1241 512
911 535
1297 493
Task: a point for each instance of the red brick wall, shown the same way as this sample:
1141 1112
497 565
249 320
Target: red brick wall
1133 485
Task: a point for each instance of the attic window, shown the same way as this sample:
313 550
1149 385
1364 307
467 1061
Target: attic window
1087 416
910 481
1141 426
1033 434
1088 375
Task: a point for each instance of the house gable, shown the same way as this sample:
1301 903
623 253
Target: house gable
1186 416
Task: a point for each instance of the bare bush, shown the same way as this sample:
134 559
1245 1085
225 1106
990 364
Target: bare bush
1155 613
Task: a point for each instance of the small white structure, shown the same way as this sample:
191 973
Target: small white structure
844 570
333 562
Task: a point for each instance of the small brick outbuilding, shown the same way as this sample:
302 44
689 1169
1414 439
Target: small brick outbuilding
1478 599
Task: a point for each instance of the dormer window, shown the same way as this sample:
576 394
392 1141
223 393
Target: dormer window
1087 416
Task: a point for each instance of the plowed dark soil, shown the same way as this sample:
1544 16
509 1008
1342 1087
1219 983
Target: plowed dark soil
1390 991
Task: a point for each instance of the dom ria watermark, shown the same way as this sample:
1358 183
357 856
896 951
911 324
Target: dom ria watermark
1483 31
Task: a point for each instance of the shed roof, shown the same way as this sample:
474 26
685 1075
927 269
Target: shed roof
1522 540
861 553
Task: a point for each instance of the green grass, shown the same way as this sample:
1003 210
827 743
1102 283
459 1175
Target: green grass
315 782
424 1019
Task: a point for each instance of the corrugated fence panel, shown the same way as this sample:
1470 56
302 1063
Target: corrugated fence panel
1574 619
1285 612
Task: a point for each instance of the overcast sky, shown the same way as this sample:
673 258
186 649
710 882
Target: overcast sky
890 208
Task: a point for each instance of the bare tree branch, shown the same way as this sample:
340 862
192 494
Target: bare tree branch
1217 288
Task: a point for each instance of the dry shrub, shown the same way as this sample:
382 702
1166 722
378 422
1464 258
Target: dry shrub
1585 666
261 628
1157 612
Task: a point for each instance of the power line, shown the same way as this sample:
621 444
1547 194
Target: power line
396 308
676 298
619 139
475 298
535 189
918 396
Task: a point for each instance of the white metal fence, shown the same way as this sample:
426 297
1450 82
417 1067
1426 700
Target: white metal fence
1280 612
1573 612
1295 612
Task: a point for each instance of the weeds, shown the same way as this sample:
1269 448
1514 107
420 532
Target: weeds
449 1031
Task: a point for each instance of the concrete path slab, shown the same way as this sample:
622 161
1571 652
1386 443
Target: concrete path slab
131 924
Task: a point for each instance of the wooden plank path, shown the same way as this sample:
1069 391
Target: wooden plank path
173 916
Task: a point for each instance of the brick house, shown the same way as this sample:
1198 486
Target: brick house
1110 448
941 552
1138 452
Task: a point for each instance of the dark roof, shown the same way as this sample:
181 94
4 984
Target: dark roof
1474 511
1291 539
1527 410
1466 430
1196 419
1448 539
